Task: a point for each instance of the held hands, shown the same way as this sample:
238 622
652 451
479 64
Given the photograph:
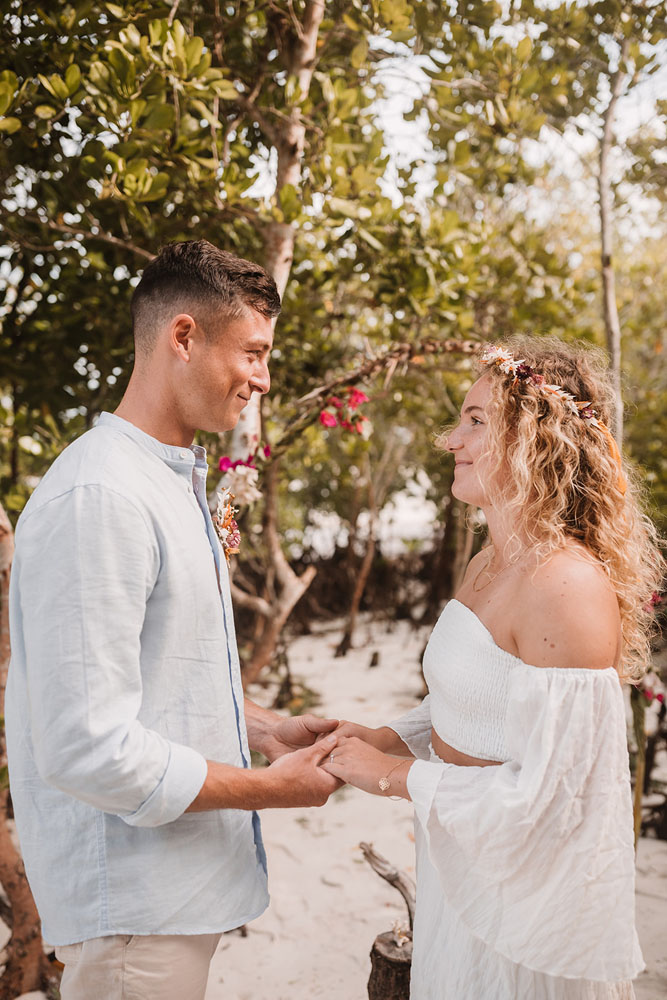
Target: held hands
296 778
356 762
295 733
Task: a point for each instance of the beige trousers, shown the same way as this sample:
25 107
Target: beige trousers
122 967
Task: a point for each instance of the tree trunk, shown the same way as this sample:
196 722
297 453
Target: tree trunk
288 136
363 574
27 967
609 308
290 587
454 553
378 484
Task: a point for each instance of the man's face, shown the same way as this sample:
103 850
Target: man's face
227 368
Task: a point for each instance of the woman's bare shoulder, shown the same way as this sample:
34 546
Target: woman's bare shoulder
567 614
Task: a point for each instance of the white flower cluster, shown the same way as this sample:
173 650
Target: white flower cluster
242 482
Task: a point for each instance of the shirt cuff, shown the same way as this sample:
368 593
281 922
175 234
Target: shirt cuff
423 780
179 786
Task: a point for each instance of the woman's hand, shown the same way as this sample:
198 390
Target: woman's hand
383 738
356 762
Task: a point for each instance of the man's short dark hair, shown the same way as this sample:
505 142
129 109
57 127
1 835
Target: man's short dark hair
198 278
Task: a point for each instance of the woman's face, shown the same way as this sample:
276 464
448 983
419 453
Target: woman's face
467 443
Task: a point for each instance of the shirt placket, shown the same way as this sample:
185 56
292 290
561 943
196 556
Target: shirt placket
199 473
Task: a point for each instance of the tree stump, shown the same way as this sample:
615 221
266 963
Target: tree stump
390 968
391 954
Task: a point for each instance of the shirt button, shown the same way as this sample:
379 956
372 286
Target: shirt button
183 454
189 489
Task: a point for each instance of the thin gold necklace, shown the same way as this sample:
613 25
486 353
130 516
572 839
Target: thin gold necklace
492 577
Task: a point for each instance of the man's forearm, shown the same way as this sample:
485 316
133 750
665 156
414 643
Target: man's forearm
228 787
260 723
293 780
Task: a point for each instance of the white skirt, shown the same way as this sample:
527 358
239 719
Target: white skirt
450 963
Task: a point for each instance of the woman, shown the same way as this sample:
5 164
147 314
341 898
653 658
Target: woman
517 761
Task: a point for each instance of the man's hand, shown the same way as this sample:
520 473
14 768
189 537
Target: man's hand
274 735
297 732
297 779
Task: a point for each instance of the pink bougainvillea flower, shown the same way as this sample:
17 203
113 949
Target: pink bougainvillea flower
335 401
267 451
356 398
660 698
225 464
327 419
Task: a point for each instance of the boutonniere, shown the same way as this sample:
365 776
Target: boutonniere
224 520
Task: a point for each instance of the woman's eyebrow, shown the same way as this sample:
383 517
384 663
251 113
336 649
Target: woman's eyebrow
468 409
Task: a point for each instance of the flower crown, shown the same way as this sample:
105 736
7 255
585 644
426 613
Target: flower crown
522 372
508 365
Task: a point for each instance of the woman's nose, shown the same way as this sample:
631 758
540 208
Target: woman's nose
452 441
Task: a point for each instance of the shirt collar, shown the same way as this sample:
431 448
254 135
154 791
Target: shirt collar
181 459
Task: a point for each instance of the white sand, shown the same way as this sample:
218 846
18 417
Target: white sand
327 905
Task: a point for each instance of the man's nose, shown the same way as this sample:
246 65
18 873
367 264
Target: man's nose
260 380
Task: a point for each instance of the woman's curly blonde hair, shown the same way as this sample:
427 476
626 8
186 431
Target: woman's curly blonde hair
564 481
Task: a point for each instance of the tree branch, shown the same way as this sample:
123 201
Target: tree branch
86 234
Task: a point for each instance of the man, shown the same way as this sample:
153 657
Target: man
127 730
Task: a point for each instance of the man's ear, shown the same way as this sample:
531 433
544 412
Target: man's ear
181 336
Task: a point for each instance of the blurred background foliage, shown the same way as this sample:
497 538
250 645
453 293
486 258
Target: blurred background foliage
126 126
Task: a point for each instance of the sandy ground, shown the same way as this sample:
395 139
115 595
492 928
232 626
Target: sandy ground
327 904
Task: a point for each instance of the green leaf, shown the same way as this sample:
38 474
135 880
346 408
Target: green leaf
359 53
159 118
9 125
158 32
193 52
55 85
224 89
156 189
6 97
524 49
45 111
72 79
137 168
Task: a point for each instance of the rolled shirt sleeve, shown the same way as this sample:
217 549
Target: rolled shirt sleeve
83 594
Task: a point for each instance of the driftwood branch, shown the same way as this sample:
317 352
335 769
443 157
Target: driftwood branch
384 868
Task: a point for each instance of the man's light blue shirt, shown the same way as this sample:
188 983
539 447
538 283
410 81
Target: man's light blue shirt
124 680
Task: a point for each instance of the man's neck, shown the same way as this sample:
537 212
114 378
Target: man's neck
150 409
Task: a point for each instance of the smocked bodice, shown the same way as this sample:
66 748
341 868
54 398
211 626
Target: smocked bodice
468 677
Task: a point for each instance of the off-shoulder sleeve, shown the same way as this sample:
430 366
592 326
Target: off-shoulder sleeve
536 855
414 728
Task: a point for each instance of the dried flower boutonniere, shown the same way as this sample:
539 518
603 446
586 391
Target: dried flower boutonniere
225 523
